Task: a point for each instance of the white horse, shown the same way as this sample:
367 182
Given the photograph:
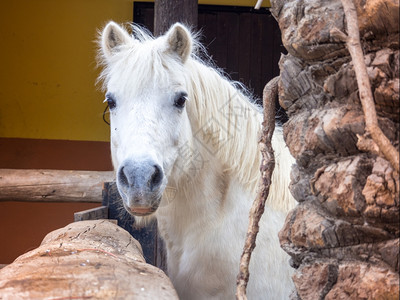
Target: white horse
184 145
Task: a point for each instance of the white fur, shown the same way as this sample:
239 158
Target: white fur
210 157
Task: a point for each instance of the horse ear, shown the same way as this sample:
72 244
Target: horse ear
180 41
112 37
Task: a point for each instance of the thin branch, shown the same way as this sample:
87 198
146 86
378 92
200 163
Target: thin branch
364 87
266 168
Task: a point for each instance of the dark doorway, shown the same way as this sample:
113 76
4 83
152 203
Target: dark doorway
244 42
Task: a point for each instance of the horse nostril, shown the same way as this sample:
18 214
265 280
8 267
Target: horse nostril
141 176
123 179
156 178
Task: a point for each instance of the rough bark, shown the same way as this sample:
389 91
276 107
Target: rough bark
85 260
344 234
367 101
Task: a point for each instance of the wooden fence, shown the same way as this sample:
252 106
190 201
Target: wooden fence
81 186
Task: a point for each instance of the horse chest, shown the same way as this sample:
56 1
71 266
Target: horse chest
203 252
200 268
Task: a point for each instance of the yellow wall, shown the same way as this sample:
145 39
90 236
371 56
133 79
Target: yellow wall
48 69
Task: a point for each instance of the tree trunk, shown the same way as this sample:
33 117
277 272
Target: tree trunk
343 236
168 12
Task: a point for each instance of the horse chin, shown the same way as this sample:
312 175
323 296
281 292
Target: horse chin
142 211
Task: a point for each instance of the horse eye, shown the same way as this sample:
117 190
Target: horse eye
110 101
180 100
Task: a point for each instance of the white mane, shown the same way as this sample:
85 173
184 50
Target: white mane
240 124
216 101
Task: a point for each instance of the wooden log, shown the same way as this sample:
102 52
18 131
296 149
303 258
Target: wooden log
52 185
85 260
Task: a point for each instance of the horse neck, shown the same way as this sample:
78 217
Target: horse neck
224 123
226 128
211 193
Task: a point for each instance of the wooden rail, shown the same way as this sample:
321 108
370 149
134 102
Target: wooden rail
53 185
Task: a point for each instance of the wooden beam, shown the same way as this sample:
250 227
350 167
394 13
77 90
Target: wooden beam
168 12
53 185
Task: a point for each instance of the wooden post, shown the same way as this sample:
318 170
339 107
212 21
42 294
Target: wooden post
147 236
168 12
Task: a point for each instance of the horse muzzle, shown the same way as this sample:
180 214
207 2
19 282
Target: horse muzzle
140 184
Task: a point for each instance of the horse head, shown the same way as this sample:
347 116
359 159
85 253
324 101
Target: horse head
147 97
